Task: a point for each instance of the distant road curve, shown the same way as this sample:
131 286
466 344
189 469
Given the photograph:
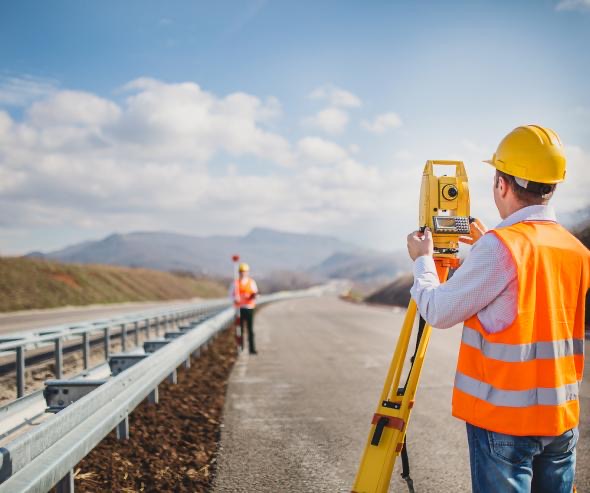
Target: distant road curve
34 319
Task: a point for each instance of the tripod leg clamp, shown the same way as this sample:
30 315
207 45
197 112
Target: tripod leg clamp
381 421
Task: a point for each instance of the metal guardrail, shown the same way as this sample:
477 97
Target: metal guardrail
88 331
46 456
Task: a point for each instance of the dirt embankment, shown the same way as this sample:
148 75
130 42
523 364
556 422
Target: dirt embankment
36 283
397 293
172 446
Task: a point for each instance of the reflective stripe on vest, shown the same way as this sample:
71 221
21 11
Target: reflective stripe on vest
513 353
517 398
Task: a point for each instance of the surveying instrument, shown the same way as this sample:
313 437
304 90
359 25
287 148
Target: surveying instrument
444 209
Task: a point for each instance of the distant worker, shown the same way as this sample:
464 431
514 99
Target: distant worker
521 295
244 297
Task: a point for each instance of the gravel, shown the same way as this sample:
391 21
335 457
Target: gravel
172 446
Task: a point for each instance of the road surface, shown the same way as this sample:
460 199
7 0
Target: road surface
297 414
36 319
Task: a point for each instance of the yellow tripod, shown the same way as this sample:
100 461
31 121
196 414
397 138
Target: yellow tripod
444 208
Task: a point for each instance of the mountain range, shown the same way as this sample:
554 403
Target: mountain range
267 251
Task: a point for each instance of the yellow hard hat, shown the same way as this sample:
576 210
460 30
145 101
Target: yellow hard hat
533 153
244 267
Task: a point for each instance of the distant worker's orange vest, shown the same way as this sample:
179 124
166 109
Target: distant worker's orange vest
245 292
524 380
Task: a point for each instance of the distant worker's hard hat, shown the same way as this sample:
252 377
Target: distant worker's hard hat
533 153
244 268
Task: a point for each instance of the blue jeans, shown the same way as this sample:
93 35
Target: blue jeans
514 464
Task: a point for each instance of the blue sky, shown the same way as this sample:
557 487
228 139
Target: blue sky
318 117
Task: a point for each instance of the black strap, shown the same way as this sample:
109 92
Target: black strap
421 325
406 467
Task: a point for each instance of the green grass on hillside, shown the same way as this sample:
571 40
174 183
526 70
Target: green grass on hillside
35 283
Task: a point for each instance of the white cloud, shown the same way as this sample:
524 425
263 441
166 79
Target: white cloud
175 157
579 5
20 91
317 150
73 108
183 121
330 120
336 96
382 123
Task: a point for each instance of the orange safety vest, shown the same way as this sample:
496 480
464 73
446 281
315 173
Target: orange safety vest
246 288
525 379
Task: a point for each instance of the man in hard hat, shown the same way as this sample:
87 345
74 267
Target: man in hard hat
521 295
244 292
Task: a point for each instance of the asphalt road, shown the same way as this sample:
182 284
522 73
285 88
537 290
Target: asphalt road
36 319
297 414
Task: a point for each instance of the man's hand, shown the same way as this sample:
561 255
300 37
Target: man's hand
477 230
420 244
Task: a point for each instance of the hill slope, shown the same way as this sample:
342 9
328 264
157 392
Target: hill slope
267 250
363 266
37 283
396 293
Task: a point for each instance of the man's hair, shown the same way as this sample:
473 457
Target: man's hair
533 194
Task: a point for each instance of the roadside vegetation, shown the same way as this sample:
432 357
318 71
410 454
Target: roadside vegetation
27 283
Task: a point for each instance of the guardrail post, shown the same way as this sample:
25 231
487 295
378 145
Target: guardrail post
58 358
147 328
123 429
136 332
153 396
123 337
173 377
187 363
20 371
66 484
158 322
107 343
86 350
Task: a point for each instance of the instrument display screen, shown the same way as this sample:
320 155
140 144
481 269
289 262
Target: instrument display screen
451 225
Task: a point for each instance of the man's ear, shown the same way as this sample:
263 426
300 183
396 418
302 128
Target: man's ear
503 186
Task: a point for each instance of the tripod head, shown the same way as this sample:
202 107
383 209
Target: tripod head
444 206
